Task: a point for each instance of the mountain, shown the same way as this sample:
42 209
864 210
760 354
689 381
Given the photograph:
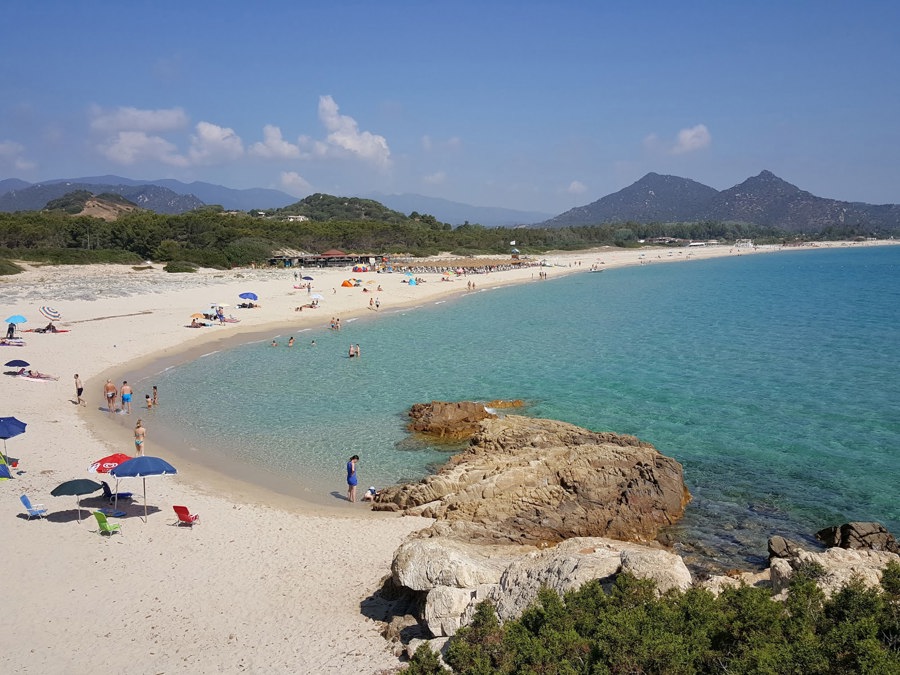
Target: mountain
457 213
654 198
764 200
152 197
322 208
228 198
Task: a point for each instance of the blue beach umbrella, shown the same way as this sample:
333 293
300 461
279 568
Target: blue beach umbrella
16 318
10 427
76 488
141 467
248 296
307 278
17 363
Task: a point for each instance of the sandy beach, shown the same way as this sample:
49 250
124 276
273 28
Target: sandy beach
268 581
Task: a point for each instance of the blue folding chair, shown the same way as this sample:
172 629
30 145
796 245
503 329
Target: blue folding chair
33 510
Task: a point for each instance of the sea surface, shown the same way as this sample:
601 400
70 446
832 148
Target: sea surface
774 379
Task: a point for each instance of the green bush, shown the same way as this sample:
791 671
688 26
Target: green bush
8 267
180 267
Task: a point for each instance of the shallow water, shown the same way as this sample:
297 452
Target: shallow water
772 378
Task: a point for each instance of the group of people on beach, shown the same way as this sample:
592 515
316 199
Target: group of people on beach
112 395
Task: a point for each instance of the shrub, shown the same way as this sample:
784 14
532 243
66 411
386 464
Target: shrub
180 267
8 267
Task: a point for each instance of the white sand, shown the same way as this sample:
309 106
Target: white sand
266 582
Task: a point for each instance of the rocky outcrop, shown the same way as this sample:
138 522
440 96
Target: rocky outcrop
455 576
839 566
454 421
868 536
538 482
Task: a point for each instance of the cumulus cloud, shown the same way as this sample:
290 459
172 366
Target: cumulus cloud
344 137
134 119
213 144
294 183
576 187
130 147
12 154
273 145
437 178
688 140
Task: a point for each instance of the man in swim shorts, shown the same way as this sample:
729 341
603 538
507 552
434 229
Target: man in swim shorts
351 479
109 393
139 434
79 390
127 391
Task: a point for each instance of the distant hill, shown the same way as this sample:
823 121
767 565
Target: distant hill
207 193
764 200
151 197
107 206
457 213
323 207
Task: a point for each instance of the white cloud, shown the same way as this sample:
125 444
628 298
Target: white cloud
134 119
213 144
295 184
576 187
12 154
273 146
689 140
129 147
344 137
437 178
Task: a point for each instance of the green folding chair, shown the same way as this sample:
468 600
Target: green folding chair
105 526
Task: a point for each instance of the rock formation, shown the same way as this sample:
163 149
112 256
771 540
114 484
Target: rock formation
454 421
536 481
870 536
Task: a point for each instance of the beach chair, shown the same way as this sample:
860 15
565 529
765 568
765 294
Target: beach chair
105 526
110 496
33 510
185 517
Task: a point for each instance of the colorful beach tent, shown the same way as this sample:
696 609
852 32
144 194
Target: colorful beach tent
347 283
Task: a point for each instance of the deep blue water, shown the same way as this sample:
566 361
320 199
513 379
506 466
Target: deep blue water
773 379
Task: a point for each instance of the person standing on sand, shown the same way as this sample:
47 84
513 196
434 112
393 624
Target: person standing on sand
109 393
351 479
139 434
127 392
79 390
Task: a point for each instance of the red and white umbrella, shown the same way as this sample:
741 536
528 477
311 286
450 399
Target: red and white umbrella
107 464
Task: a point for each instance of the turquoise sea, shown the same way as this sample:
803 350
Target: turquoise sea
774 379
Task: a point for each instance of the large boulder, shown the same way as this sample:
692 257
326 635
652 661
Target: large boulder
456 576
870 536
839 566
535 481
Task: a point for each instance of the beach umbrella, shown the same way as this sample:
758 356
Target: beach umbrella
317 296
76 488
50 313
16 318
109 463
198 315
9 427
307 278
249 296
17 363
141 467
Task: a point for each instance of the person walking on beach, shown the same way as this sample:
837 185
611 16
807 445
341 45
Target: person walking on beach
139 434
79 390
109 393
127 392
351 479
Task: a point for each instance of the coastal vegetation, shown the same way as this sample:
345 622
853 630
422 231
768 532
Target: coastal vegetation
630 629
211 237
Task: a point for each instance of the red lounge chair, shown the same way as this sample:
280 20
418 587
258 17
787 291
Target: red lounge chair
185 517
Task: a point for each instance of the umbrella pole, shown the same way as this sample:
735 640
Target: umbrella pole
145 499
116 497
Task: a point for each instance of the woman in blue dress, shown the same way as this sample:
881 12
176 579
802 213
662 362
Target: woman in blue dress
351 478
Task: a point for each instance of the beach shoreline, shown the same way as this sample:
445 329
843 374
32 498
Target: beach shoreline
308 571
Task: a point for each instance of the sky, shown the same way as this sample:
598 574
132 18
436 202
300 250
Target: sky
538 106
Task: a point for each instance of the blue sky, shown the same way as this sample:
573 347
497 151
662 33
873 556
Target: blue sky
527 105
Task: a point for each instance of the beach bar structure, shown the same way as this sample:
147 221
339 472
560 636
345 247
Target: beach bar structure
330 258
